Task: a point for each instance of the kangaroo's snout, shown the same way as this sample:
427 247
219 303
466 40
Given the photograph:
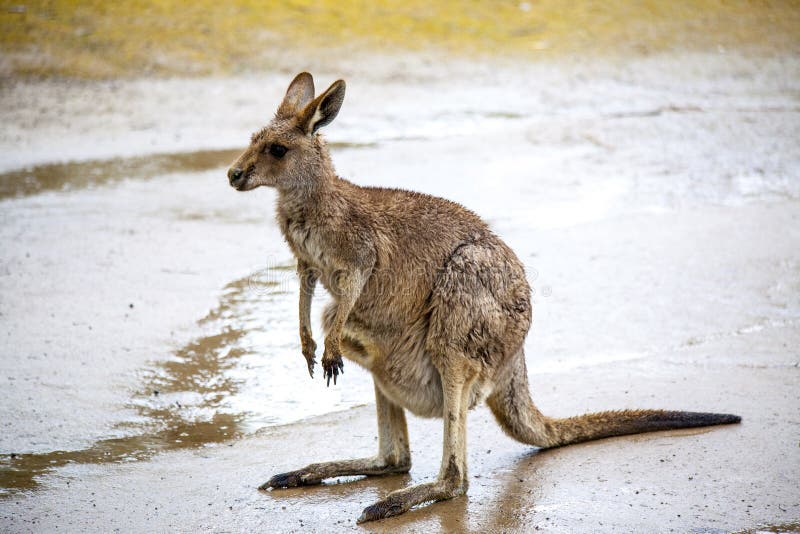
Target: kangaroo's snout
235 175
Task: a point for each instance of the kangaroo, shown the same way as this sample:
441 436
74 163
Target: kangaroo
425 296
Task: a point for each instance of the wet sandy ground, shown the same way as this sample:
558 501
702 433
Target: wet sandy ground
149 311
704 480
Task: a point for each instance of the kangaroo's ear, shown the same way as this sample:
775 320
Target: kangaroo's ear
298 95
323 109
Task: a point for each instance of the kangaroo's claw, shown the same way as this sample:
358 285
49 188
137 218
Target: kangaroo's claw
311 361
331 368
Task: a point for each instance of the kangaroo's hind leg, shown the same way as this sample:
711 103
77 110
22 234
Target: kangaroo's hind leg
452 480
393 455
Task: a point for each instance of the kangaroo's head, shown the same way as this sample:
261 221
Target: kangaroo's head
288 153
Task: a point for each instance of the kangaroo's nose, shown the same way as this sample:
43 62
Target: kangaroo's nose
234 174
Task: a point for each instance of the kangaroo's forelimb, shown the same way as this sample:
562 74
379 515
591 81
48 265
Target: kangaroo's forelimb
308 281
347 285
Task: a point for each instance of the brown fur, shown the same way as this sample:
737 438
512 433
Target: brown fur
426 298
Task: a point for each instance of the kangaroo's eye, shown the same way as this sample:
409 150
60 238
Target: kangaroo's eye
277 150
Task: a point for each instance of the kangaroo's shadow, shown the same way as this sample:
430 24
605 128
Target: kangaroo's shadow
516 495
497 504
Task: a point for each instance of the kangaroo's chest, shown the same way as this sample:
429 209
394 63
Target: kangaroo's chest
304 243
307 244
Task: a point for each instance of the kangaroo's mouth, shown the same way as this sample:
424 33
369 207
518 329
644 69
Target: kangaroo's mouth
239 182
240 185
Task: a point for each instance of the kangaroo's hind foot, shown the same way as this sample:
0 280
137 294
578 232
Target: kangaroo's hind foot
394 455
315 473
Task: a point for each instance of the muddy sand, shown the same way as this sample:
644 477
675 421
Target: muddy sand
152 378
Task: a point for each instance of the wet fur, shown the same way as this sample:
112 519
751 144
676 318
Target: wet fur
426 298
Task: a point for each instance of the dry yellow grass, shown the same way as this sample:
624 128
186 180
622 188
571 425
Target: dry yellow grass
96 38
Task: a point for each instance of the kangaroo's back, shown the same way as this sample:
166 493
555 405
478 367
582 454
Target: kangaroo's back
415 234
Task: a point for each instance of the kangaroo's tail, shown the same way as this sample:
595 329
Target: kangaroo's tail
511 404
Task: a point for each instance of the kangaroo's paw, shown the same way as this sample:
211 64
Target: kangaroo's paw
400 501
311 361
309 348
332 366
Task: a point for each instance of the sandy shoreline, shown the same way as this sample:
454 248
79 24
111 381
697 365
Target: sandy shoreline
656 204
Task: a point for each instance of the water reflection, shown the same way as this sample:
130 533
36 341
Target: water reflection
77 175
82 174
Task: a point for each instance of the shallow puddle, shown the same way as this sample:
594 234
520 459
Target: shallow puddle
242 375
76 175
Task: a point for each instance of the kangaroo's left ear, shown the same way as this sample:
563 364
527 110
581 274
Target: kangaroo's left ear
298 95
323 109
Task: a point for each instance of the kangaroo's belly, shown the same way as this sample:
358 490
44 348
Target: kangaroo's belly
410 380
419 390
406 377
400 365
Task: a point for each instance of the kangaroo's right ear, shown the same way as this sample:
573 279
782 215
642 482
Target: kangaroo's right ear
323 109
298 95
